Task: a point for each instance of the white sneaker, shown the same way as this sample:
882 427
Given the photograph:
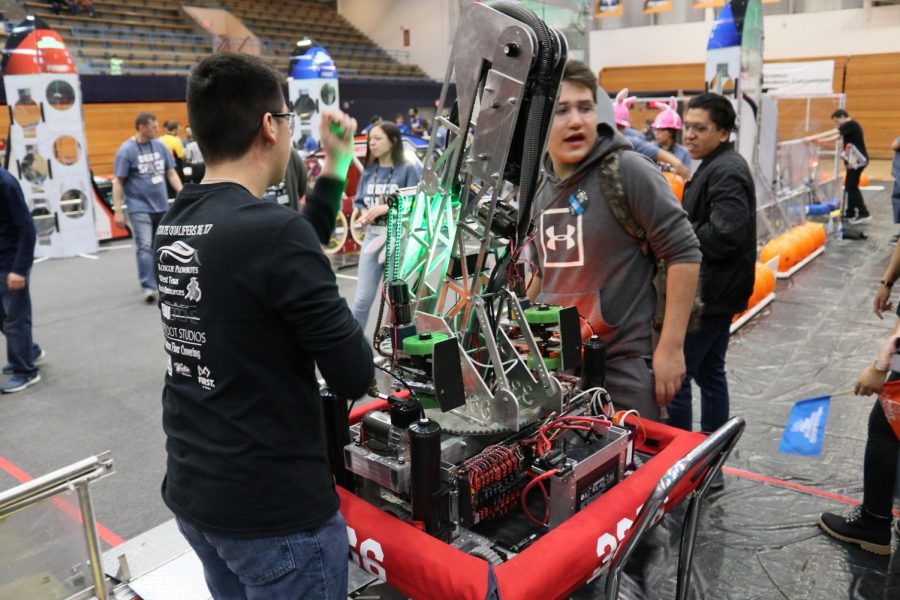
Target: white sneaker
149 296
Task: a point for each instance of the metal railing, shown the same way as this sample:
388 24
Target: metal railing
77 476
713 451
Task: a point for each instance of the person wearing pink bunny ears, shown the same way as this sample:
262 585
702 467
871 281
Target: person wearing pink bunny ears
666 127
622 113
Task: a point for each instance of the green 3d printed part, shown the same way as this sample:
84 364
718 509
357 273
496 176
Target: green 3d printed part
422 344
542 314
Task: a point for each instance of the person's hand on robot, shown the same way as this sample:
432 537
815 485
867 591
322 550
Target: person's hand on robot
336 131
371 215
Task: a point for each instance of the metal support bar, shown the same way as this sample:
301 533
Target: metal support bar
93 542
720 443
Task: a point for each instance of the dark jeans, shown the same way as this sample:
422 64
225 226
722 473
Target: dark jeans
704 357
307 564
880 463
855 207
16 326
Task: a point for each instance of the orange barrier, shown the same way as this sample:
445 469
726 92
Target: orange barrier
793 246
676 183
763 285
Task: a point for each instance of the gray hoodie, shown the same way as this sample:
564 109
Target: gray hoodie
591 262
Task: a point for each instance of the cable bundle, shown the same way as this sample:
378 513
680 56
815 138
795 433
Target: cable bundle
494 481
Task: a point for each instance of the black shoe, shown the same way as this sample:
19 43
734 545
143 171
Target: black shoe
871 533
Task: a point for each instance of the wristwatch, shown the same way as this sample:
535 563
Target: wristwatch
886 283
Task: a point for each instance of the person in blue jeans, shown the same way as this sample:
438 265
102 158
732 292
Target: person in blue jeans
386 171
17 237
143 165
251 312
720 201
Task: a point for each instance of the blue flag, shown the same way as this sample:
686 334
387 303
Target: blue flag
806 427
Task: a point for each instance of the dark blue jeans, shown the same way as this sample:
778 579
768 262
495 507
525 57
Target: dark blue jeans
704 357
308 564
16 326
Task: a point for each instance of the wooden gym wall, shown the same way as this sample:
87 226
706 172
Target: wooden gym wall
108 125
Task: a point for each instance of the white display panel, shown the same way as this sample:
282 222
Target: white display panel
309 98
48 155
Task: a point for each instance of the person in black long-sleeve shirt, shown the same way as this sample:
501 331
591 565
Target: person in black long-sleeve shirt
17 238
250 308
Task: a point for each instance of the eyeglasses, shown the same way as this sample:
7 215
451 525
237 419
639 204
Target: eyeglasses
698 129
291 117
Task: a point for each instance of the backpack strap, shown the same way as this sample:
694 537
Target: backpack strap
613 191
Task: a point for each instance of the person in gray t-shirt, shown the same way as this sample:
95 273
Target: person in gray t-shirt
143 164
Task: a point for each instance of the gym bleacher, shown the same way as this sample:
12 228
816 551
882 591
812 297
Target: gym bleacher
156 37
280 23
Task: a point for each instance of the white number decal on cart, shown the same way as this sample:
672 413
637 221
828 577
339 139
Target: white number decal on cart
368 555
607 544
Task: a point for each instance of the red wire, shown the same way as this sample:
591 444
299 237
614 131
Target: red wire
538 480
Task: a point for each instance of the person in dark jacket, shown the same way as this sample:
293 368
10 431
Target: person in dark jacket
721 204
250 310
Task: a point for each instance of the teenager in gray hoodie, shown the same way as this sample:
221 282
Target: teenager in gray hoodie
588 260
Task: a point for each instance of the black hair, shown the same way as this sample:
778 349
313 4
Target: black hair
392 133
840 114
579 73
143 118
171 126
720 110
227 95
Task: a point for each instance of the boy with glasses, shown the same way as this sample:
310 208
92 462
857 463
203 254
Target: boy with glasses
250 309
589 260
721 203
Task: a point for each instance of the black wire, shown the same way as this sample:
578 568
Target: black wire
406 385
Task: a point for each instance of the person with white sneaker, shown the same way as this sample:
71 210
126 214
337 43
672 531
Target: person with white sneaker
17 237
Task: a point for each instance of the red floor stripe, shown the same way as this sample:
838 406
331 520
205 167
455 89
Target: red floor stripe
63 504
797 487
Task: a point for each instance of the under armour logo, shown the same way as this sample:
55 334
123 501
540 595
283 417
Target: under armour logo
552 237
